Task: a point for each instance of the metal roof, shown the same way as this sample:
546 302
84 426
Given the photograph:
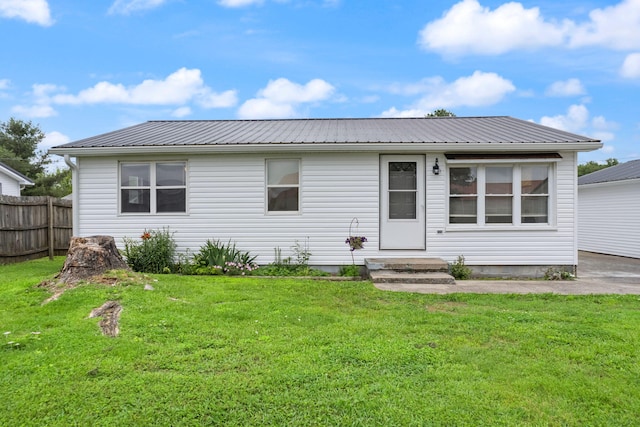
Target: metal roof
454 130
621 172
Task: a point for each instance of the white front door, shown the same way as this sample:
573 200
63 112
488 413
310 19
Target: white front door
402 199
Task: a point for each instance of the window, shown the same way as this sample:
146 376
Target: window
283 185
153 187
463 202
499 194
535 194
403 188
498 203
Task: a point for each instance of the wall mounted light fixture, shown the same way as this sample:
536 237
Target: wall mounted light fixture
436 168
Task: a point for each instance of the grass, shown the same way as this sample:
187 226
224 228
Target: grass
230 351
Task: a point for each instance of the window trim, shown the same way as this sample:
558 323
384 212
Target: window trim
267 187
153 187
517 195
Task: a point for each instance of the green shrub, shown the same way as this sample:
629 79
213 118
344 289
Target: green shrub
216 257
459 270
153 254
351 270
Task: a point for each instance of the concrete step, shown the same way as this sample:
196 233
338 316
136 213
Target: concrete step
407 264
429 277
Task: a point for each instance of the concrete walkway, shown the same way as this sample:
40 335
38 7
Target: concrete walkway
597 274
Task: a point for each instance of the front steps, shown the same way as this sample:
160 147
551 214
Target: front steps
429 271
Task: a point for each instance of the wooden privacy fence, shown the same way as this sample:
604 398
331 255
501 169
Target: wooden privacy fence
34 227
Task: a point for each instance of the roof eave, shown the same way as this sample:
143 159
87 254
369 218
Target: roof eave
324 147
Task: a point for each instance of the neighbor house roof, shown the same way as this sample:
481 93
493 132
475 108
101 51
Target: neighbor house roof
621 172
22 180
360 133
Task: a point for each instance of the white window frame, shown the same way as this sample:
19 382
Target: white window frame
267 186
516 214
153 187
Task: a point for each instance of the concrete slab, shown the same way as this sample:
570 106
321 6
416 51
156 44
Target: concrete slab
597 274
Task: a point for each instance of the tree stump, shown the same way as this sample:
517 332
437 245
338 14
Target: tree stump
90 256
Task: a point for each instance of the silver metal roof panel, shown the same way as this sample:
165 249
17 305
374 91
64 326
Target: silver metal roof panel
453 130
621 172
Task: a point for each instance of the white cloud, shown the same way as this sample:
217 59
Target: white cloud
53 139
4 84
239 3
281 97
178 88
631 66
209 99
479 89
469 27
181 112
126 7
577 120
262 108
571 87
614 27
35 111
32 11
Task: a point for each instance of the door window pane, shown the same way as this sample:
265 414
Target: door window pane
403 175
402 205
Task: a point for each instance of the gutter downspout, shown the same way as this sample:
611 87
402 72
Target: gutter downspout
75 194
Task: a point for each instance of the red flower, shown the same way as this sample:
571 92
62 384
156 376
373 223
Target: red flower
146 235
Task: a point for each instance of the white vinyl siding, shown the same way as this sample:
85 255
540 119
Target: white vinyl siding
609 219
226 201
9 186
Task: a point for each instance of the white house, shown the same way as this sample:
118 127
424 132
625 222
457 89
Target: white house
609 210
12 181
497 190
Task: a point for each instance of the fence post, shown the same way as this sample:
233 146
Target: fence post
50 220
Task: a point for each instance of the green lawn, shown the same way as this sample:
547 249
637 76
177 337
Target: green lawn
255 351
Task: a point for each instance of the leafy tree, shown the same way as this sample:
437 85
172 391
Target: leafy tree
19 147
19 150
592 166
441 112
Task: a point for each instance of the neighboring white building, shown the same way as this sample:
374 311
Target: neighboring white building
12 181
609 210
498 190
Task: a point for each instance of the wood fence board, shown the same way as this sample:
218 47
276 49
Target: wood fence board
34 227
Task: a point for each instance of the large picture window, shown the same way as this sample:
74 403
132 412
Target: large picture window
283 185
153 187
499 194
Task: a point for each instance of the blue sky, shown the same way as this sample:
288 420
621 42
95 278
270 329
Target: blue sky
81 68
